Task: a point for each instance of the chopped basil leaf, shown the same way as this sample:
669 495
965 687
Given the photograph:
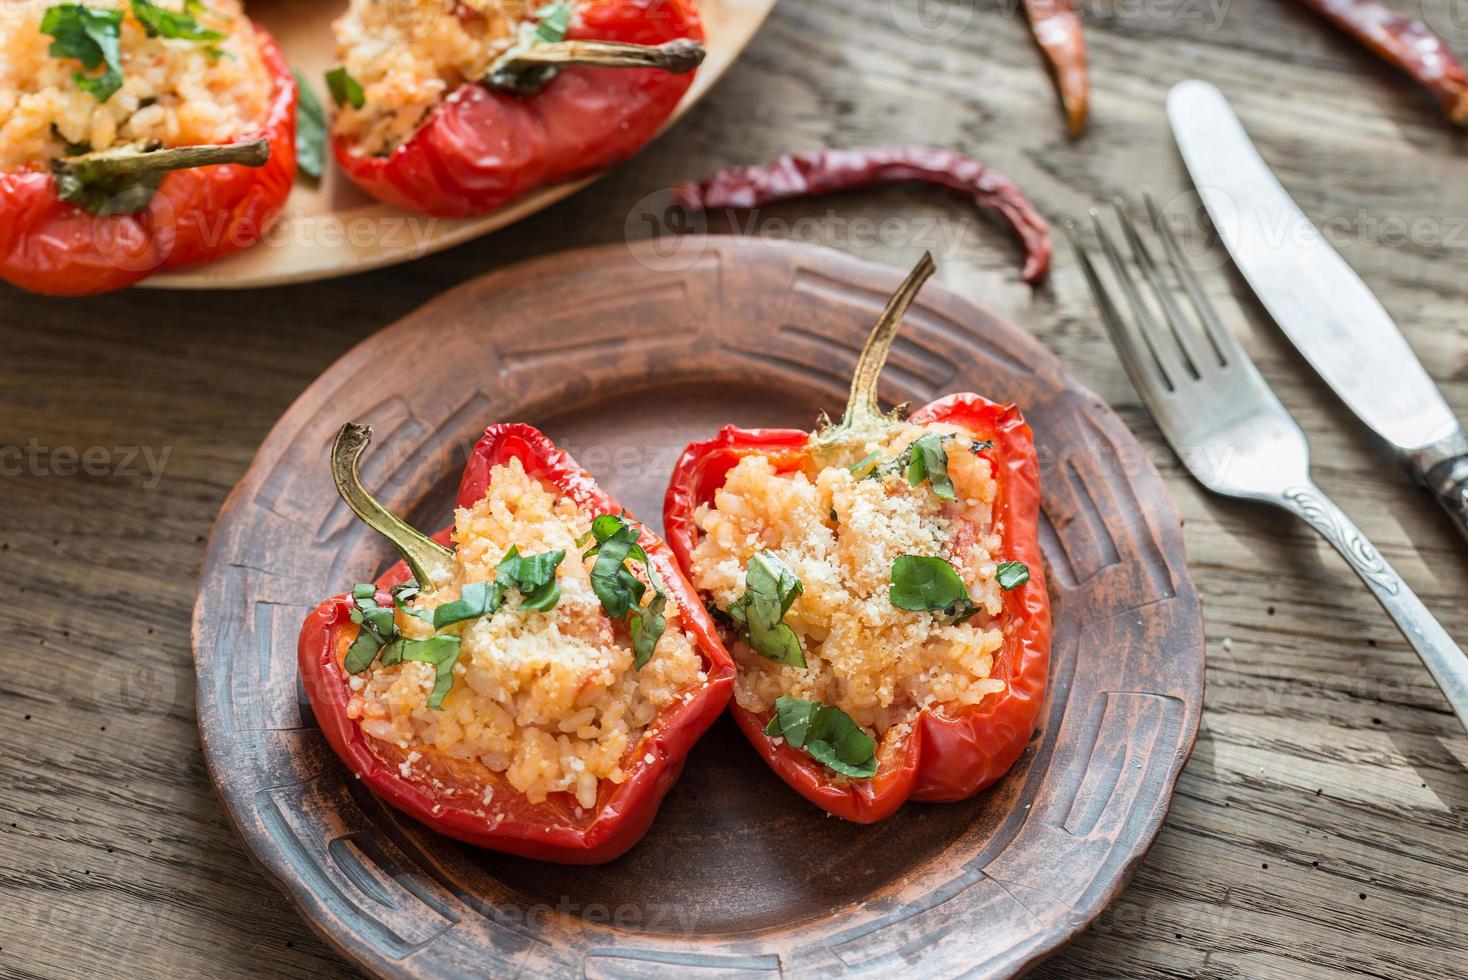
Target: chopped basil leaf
926 583
555 21
362 652
405 593
978 447
770 589
310 129
619 590
533 576
1012 574
927 460
344 88
475 600
648 623
827 733
377 628
440 651
175 24
866 465
91 36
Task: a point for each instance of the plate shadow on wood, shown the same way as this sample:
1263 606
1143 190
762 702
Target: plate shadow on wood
623 360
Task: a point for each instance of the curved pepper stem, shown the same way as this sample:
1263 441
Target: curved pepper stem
863 411
527 70
431 563
122 180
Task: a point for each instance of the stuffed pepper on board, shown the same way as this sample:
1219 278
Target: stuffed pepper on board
137 135
880 587
533 689
456 108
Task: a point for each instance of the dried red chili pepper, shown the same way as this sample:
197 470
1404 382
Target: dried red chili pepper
489 142
1407 43
212 201
451 798
953 751
1057 29
829 171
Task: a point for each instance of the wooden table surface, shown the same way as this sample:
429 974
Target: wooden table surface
1319 828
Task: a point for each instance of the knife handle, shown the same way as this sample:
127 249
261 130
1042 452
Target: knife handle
1443 468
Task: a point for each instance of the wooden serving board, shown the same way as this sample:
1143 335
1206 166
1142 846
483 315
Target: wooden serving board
623 355
332 228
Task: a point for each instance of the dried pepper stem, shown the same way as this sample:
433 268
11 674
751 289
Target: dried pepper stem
135 161
432 564
863 410
525 69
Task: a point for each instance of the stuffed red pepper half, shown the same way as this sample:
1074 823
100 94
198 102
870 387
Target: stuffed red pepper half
456 108
881 589
137 135
536 687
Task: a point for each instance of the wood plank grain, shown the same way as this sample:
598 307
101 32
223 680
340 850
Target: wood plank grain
1292 768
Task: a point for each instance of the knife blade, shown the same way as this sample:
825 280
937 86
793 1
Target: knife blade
1316 298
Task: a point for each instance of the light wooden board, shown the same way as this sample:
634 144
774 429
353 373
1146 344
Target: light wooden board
333 228
1325 752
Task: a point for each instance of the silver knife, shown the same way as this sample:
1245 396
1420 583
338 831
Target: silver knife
1317 299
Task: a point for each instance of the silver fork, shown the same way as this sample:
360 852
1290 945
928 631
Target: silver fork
1232 432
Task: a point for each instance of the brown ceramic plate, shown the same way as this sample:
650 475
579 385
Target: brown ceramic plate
332 228
623 359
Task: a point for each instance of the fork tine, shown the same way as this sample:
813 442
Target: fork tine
1224 345
1162 353
1182 332
1146 376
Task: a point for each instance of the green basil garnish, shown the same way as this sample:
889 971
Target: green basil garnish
619 590
648 623
555 21
1012 574
827 733
440 651
377 628
927 583
866 465
310 130
174 24
92 36
927 460
770 590
344 88
534 576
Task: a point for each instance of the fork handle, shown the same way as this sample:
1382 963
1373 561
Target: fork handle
1444 660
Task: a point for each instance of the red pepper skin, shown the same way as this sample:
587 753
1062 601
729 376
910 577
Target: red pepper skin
948 757
479 149
552 830
50 246
798 175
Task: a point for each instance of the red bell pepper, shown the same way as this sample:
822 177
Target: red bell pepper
212 201
953 752
555 829
481 147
